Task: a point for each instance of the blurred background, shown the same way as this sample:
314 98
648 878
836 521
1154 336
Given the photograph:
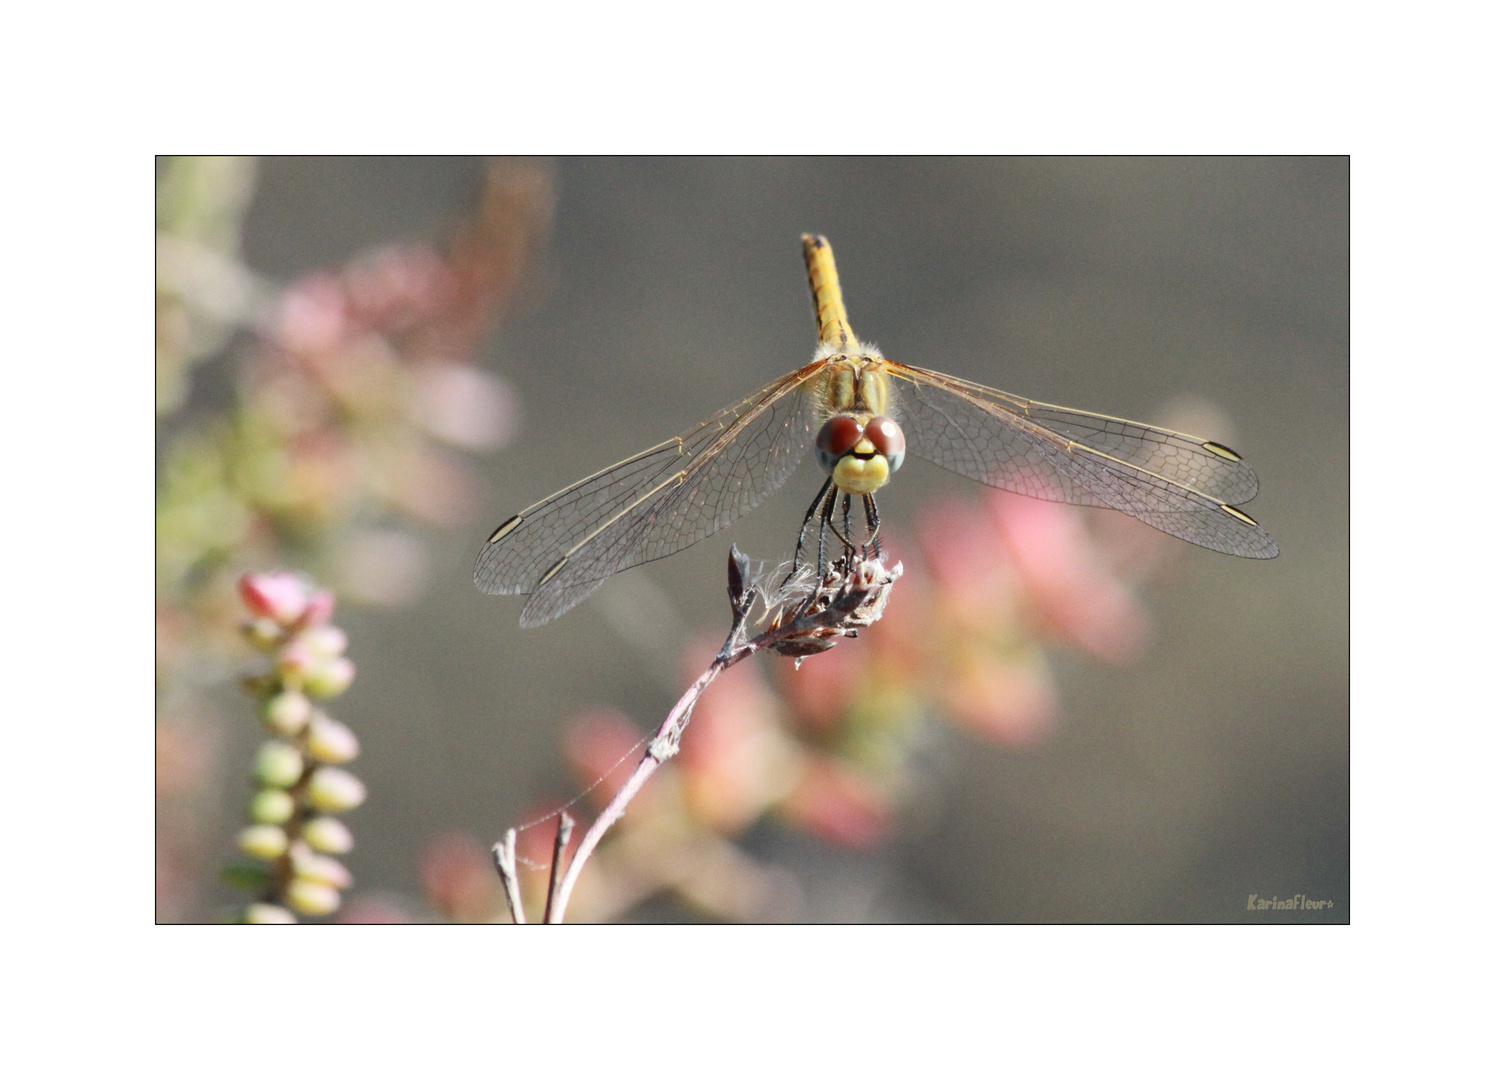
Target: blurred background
1064 718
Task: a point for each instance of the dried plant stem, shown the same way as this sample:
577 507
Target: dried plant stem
561 845
664 745
505 856
839 607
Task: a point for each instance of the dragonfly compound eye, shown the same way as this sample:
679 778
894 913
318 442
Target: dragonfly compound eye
836 439
887 438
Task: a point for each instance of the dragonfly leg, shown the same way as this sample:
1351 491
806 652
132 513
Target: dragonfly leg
870 505
826 500
804 527
828 518
825 523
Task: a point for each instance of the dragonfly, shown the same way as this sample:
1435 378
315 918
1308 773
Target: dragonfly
863 412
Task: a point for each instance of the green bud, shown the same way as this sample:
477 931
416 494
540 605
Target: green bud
287 713
329 677
262 841
272 806
330 741
325 642
334 790
328 834
278 765
267 913
322 869
311 897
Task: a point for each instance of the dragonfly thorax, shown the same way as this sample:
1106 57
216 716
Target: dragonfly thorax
860 451
853 382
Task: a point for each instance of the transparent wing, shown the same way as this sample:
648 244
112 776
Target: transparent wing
1182 485
653 504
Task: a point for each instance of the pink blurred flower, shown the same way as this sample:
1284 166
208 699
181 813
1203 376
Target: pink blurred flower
975 584
839 804
731 757
1006 700
985 669
465 406
373 909
1068 585
396 287
312 316
600 745
821 689
459 879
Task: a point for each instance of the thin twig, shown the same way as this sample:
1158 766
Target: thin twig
665 744
505 856
839 607
561 843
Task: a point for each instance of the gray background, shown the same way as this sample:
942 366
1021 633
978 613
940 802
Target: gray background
1213 767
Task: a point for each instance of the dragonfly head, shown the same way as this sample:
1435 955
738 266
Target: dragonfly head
860 452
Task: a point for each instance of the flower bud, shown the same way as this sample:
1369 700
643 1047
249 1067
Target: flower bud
278 765
286 713
311 897
294 659
328 834
329 678
271 806
262 841
325 642
320 608
310 866
330 741
267 913
281 596
335 790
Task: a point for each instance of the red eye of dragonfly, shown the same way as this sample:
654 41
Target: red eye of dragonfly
887 438
838 436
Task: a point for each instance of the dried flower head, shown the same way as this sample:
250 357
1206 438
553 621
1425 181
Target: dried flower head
851 597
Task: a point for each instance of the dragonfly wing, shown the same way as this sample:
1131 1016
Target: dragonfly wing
1179 484
653 504
1200 464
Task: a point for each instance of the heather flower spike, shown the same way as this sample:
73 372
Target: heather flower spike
356 400
293 834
